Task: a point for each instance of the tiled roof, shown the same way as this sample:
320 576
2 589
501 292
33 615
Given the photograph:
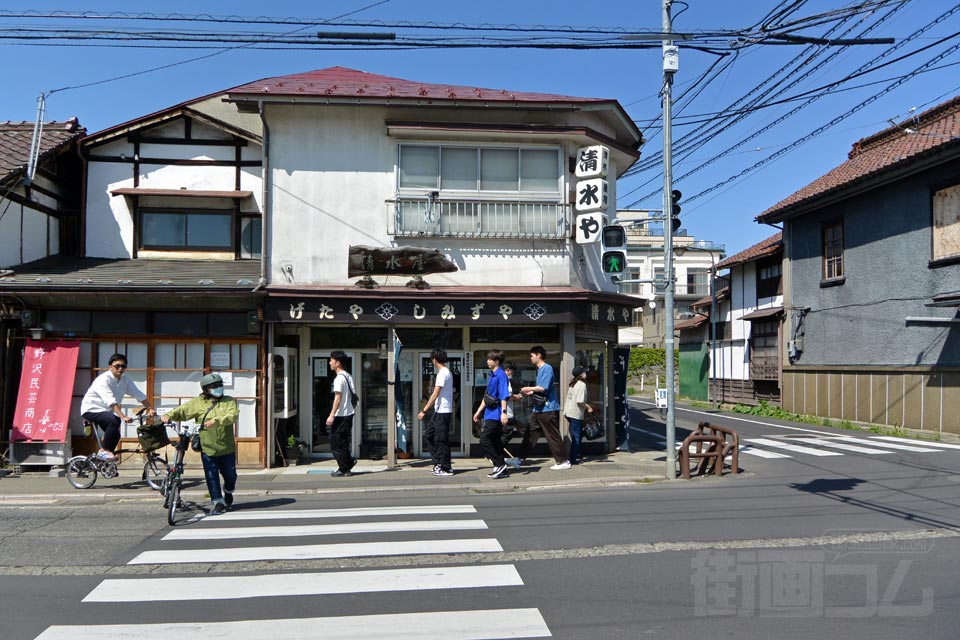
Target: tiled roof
893 148
342 82
763 248
16 138
98 274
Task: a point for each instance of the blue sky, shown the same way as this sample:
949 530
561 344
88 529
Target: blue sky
633 77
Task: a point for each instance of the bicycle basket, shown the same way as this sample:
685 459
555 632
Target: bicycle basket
152 437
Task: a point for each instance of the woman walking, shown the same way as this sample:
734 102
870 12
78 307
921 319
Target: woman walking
573 410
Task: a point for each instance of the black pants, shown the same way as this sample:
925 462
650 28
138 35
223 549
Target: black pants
437 435
547 423
340 432
491 443
110 423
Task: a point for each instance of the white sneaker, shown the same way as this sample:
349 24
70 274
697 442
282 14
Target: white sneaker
103 454
561 465
498 472
513 462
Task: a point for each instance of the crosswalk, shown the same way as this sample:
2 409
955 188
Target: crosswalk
821 445
251 535
831 445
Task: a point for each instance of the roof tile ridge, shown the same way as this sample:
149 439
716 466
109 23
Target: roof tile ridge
919 122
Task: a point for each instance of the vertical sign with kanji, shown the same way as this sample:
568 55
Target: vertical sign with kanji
46 388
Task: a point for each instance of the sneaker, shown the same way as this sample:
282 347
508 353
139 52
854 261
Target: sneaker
103 454
352 465
442 472
498 472
218 509
228 498
513 462
341 474
561 465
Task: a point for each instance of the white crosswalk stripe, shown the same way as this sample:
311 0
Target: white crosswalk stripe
491 624
824 446
250 528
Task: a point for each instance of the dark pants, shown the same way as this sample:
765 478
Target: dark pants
437 435
340 433
576 435
547 423
490 442
216 466
110 423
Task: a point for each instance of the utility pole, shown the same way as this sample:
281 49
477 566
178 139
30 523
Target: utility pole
670 65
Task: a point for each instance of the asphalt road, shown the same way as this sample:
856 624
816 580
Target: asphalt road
857 545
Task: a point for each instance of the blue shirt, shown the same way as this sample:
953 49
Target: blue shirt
498 386
546 382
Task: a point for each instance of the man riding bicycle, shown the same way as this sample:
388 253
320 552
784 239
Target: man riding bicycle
101 403
217 414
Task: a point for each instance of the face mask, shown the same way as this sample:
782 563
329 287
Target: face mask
216 392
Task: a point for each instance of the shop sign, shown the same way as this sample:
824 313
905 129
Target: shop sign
46 387
396 261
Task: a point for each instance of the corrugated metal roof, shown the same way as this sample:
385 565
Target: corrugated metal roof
17 137
342 82
895 147
100 274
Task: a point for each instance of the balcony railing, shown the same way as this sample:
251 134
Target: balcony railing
433 217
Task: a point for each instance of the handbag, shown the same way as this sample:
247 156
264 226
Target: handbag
593 430
538 399
195 442
152 437
489 401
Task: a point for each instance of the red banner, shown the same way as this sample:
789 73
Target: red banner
46 388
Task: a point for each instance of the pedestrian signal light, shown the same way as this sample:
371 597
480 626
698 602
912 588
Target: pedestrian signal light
614 237
614 261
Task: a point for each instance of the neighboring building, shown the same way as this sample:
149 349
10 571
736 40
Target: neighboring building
218 235
872 272
645 262
743 363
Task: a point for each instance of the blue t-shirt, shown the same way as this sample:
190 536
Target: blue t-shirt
546 382
498 386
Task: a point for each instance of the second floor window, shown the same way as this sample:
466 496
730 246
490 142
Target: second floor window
697 282
479 169
833 250
946 223
187 229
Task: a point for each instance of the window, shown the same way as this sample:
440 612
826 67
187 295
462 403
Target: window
833 250
769 279
946 223
697 282
187 229
251 229
764 350
499 169
632 288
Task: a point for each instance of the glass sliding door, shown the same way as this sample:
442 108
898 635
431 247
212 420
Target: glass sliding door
426 381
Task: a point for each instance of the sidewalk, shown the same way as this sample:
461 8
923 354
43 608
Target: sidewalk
617 468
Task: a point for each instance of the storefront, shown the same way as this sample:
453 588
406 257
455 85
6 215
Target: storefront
575 327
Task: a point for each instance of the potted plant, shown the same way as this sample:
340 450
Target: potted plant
294 450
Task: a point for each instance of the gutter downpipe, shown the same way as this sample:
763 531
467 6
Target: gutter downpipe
270 425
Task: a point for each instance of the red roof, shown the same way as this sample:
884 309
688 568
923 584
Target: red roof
350 83
893 148
763 248
16 138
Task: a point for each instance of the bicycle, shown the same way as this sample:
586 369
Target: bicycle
82 471
173 482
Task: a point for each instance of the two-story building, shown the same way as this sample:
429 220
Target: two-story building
254 231
872 280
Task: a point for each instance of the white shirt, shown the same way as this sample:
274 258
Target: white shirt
444 403
342 384
576 397
106 390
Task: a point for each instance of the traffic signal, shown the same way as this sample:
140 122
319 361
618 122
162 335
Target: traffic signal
614 261
614 242
675 210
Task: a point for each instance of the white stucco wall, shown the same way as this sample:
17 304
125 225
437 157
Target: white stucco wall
27 234
332 171
109 219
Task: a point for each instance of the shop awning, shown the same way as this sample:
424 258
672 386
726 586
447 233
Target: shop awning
763 313
180 193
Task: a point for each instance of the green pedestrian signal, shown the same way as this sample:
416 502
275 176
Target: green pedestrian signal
614 261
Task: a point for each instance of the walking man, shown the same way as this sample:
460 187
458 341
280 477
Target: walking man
546 416
493 410
437 431
340 420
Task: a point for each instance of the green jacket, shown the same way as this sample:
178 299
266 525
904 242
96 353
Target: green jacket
216 440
